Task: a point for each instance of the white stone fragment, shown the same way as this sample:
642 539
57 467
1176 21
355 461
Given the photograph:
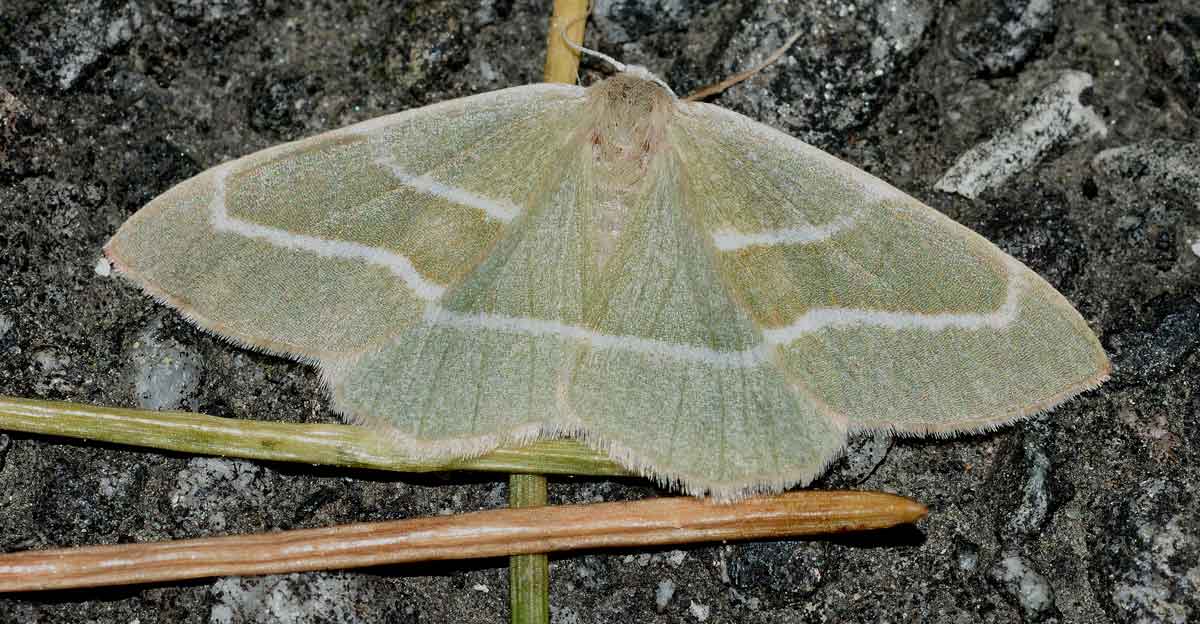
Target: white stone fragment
1056 117
1030 587
663 595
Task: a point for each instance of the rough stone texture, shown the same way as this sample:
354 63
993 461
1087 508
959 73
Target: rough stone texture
1148 551
1087 515
997 36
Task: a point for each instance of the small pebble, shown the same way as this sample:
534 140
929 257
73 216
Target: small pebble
664 594
1025 586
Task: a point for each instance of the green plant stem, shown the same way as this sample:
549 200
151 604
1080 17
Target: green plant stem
528 575
333 445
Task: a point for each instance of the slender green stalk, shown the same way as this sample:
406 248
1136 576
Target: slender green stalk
334 445
528 575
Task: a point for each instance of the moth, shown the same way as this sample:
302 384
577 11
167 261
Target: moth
711 302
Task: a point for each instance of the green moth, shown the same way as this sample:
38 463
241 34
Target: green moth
711 302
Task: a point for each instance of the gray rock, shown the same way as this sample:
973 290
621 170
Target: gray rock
52 369
624 21
1147 554
165 374
205 489
293 599
1030 476
1161 176
999 37
1163 349
1170 55
864 453
1035 499
664 594
1027 587
286 98
49 361
1158 180
837 76
71 39
778 573
208 11
1160 166
17 123
967 554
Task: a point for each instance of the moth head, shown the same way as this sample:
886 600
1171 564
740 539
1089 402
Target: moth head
628 116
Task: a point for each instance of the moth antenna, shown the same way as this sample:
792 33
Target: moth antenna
741 76
637 70
617 65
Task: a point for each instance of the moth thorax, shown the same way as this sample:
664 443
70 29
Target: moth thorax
627 118
626 129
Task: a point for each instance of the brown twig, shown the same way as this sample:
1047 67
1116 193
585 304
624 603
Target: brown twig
467 536
743 75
